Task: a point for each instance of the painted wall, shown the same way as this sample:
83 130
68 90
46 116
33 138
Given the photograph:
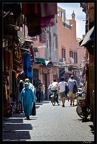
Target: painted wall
81 52
67 39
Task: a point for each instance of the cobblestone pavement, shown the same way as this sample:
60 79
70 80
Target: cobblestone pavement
51 123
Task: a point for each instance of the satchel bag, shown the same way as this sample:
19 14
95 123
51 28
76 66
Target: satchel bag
34 109
75 88
66 89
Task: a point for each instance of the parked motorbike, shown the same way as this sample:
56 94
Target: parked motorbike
82 110
54 98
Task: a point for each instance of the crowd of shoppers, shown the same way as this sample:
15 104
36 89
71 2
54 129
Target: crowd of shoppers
27 93
60 88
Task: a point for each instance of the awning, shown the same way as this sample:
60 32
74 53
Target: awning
88 38
43 62
88 41
80 41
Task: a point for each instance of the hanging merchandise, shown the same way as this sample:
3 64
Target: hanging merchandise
7 59
27 66
39 15
30 8
33 23
17 60
7 107
48 9
10 60
85 69
32 54
48 12
4 56
32 14
48 21
21 75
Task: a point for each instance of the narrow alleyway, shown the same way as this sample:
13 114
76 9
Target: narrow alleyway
52 123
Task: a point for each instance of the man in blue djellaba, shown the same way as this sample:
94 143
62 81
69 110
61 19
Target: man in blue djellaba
28 98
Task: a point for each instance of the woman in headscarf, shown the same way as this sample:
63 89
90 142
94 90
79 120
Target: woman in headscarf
28 98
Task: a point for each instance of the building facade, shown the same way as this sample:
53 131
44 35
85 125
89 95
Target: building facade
70 54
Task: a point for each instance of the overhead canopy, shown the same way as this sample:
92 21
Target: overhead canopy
88 41
43 61
88 38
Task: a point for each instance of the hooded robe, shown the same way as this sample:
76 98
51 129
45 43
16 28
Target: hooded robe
28 98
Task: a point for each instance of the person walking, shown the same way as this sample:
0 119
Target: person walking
27 95
38 90
42 92
72 95
54 88
49 90
30 84
19 106
62 93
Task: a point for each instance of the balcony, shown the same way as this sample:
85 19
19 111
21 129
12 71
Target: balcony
66 25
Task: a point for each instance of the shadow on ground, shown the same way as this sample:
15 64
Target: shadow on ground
92 128
14 129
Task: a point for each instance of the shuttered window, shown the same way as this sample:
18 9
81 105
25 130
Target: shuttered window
75 57
64 53
35 74
42 37
71 54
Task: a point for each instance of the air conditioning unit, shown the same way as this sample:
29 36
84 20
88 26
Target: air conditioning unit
71 60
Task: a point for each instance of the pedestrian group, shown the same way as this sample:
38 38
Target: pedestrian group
27 93
61 89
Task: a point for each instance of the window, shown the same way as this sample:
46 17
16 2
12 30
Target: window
49 39
42 37
47 42
60 14
71 54
75 57
35 74
66 25
55 41
64 53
